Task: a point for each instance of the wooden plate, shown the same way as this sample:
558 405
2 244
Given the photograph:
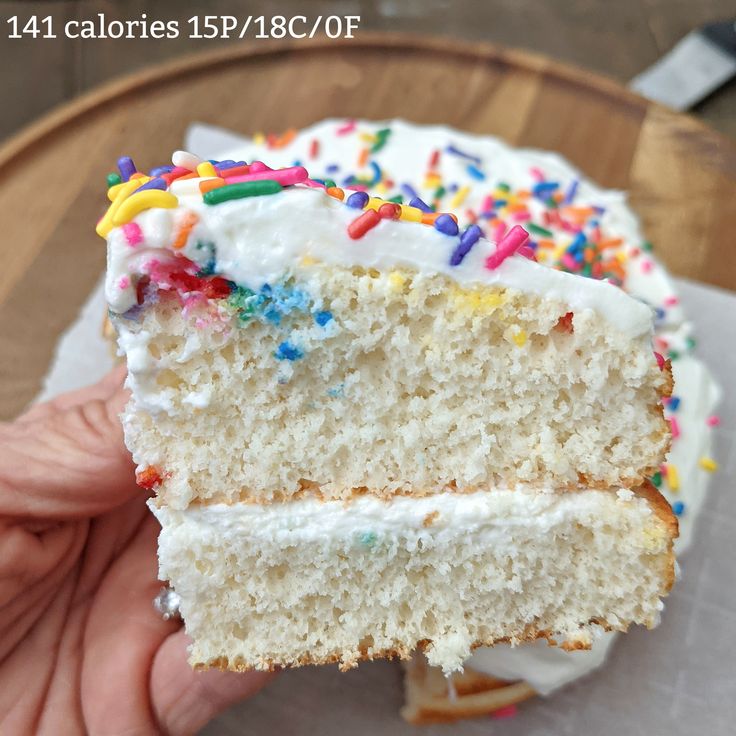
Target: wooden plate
681 174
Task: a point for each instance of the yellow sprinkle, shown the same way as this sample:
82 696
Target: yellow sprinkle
413 214
140 201
432 180
112 192
259 139
396 279
467 301
520 338
368 137
308 261
374 203
381 187
673 477
206 169
709 464
106 223
459 197
620 256
557 253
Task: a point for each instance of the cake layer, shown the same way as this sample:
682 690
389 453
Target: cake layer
311 582
398 382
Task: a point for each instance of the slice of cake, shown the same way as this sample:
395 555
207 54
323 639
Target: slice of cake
369 431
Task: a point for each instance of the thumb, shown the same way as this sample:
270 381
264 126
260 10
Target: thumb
66 458
183 699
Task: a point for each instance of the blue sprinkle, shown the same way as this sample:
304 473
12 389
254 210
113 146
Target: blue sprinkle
674 403
322 318
500 203
659 313
544 189
227 164
467 240
577 243
446 224
297 162
572 190
457 152
377 173
409 190
272 315
333 168
358 200
287 351
368 538
126 167
420 204
475 172
678 507
160 170
156 183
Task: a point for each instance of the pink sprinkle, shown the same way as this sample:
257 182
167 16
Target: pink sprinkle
499 232
257 166
314 184
713 421
660 360
487 204
675 426
537 173
508 245
527 252
471 216
568 227
349 127
569 262
133 233
508 711
521 216
646 266
124 282
285 177
670 301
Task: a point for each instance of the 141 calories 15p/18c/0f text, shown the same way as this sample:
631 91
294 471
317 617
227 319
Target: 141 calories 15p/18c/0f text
197 27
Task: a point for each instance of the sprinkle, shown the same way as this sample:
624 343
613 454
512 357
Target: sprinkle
508 711
377 173
381 138
447 225
209 184
106 222
459 197
188 221
434 160
572 190
420 204
285 177
673 477
288 351
673 403
675 427
124 282
678 507
322 318
357 200
520 338
670 301
140 201
127 167
467 240
709 464
389 211
537 230
257 166
239 191
660 360
713 421
206 169
185 160
475 172
160 170
314 148
646 266
348 127
155 183
363 157
409 191
363 223
657 479
509 244
336 192
133 233
113 178
148 478
457 152
412 214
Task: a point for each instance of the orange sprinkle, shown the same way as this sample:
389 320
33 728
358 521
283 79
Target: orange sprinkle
210 184
610 243
363 158
336 192
589 255
428 218
188 222
286 138
546 243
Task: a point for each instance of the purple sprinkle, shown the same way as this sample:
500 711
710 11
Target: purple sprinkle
599 210
467 240
446 224
457 152
157 183
409 190
572 190
228 164
160 170
126 167
333 168
357 200
420 204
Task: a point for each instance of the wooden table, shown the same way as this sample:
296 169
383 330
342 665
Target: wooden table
681 174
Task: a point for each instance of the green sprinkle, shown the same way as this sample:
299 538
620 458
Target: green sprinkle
690 343
673 354
381 139
657 479
587 270
647 246
113 178
241 190
539 230
552 204
503 186
329 183
398 199
439 192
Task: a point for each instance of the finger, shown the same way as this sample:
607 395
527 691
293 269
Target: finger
183 699
69 464
103 390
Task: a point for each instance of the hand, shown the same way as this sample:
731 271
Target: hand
81 648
